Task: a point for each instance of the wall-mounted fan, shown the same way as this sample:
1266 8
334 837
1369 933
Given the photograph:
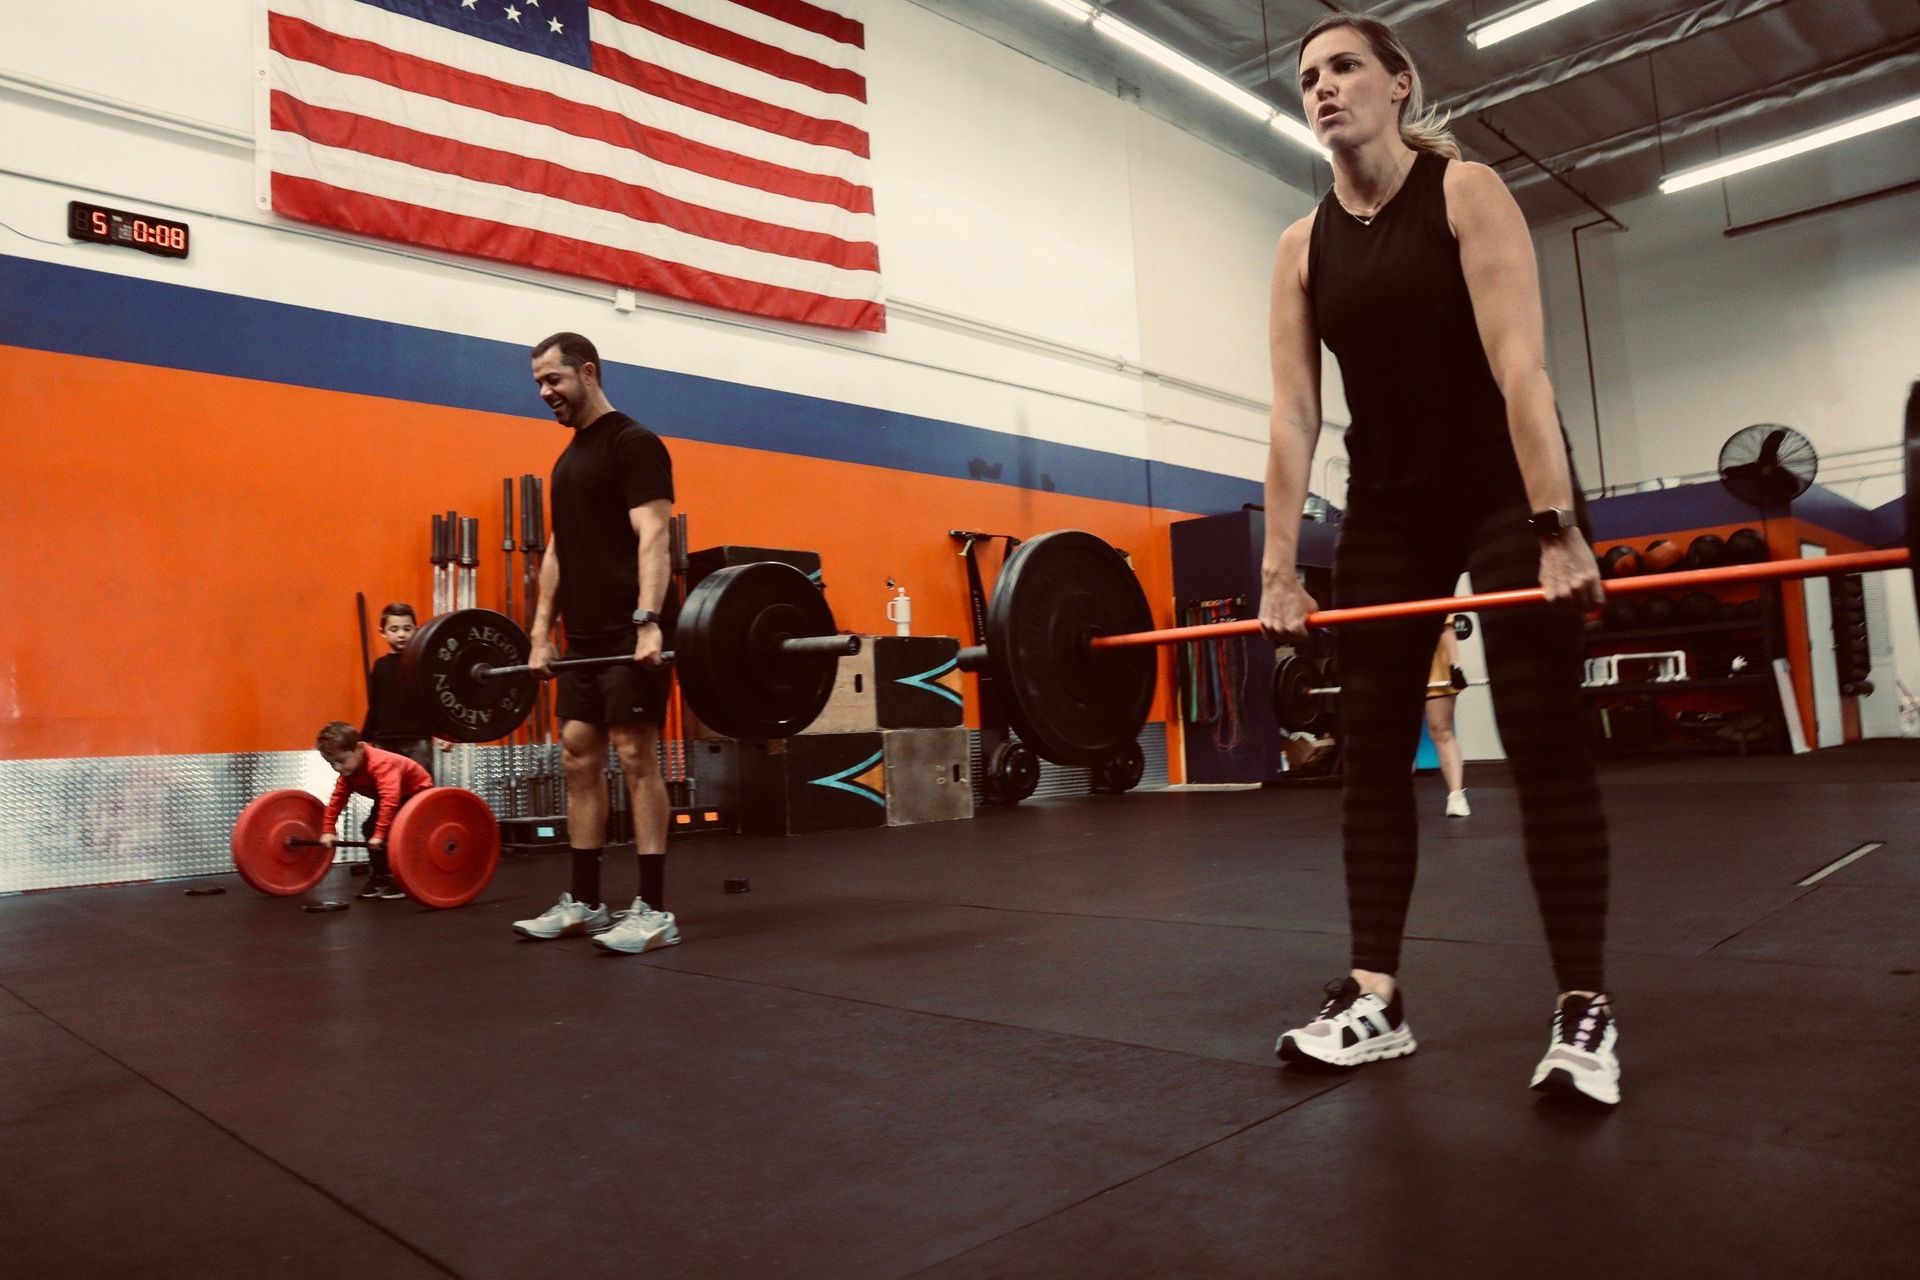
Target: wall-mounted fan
1767 464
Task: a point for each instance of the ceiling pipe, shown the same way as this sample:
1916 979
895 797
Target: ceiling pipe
1653 36
1867 67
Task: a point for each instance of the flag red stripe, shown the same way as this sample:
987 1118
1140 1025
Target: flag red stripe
809 17
478 237
331 128
735 47
659 82
305 42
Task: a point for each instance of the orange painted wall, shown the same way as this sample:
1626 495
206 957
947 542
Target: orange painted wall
184 548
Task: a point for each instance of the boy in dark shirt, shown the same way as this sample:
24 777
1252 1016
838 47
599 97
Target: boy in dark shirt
392 723
385 777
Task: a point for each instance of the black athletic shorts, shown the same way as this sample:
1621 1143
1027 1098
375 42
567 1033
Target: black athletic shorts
619 694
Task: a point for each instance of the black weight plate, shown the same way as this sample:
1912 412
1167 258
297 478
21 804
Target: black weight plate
1122 773
1912 500
1296 708
1070 704
731 674
437 669
1012 774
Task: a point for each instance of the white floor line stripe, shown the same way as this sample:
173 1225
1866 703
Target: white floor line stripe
1840 862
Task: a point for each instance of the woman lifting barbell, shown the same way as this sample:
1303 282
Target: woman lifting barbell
1418 272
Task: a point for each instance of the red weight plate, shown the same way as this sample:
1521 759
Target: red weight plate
444 847
261 853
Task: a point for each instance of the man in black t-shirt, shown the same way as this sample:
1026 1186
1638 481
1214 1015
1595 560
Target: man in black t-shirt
605 575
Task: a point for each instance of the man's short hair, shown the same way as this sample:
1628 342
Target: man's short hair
337 739
398 609
574 350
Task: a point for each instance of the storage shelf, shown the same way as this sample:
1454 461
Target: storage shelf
1667 686
1595 635
1701 748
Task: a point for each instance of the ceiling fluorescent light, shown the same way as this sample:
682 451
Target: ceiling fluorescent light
1181 65
1075 9
1526 19
1295 131
1853 128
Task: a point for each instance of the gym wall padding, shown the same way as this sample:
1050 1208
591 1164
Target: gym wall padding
200 482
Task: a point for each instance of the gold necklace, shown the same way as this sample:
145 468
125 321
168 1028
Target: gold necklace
1366 220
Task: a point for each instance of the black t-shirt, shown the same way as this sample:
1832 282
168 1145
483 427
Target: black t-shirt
611 466
390 712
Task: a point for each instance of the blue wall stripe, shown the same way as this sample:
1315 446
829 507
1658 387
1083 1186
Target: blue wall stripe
52 307
1697 506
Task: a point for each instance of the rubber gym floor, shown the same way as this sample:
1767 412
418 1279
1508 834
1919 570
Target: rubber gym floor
1034 1044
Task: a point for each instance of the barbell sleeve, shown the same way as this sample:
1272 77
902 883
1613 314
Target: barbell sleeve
1769 571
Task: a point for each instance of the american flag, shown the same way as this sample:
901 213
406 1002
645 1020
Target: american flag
711 150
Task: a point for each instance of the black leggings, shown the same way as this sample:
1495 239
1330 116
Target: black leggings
1534 663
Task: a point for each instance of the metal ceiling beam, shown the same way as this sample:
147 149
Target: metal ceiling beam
1840 75
1252 72
1658 34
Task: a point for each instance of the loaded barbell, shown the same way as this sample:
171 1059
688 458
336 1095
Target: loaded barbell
755 650
443 847
1069 629
1302 693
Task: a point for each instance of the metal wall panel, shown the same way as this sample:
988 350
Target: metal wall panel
112 820
1059 780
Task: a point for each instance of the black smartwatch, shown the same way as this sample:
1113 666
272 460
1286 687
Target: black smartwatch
641 617
1551 522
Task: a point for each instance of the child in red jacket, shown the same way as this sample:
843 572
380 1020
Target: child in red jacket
385 777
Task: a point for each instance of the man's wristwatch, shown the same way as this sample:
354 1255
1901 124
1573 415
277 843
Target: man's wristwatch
641 617
1551 522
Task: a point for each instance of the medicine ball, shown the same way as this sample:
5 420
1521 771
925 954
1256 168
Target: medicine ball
1699 606
1622 615
1660 555
1706 552
1746 546
1660 611
1620 562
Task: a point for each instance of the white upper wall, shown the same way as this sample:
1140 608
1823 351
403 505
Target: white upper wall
1813 323
1053 256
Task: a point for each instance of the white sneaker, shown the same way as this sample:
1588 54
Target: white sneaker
1580 1061
1457 805
641 928
564 919
1352 1028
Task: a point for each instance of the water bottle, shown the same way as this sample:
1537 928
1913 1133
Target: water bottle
900 609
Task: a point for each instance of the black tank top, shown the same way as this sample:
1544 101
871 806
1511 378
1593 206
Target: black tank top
1429 429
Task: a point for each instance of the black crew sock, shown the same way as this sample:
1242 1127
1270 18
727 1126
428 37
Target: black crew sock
586 876
653 880
377 865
